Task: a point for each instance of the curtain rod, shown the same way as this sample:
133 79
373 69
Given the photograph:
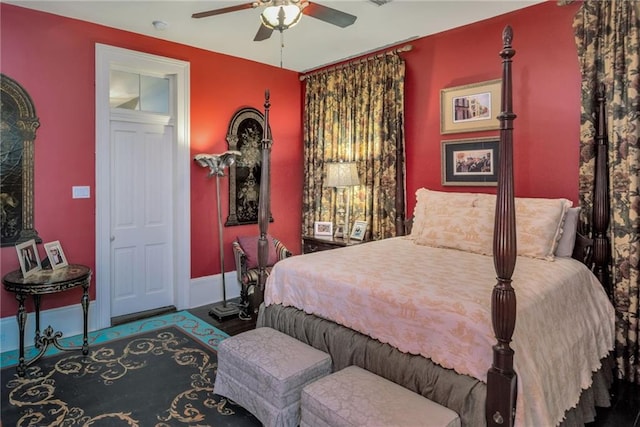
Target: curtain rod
404 48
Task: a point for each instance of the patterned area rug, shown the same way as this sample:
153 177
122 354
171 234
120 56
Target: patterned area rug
153 372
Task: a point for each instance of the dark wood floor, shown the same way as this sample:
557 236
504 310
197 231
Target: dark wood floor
625 402
231 326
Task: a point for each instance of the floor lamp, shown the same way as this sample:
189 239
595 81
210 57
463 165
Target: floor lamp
342 176
217 163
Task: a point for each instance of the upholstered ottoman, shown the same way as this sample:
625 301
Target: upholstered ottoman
355 397
264 371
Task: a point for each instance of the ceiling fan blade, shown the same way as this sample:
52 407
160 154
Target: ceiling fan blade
222 10
263 33
330 15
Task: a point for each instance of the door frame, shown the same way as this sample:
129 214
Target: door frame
105 57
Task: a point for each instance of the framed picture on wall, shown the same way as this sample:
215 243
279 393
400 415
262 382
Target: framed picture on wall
470 108
19 124
472 161
56 256
28 257
244 134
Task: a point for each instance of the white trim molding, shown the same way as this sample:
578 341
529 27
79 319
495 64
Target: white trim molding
68 320
107 57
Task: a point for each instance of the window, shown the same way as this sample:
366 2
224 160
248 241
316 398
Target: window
131 91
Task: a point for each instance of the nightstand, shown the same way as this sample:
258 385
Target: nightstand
320 243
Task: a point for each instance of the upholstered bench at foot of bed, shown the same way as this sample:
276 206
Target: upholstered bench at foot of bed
355 397
264 371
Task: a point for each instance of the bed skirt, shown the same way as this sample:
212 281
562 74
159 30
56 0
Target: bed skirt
461 393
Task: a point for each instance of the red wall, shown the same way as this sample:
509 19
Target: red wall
53 58
546 86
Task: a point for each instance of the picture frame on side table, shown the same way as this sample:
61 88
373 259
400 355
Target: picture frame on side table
471 161
470 108
339 234
359 230
56 256
323 229
28 257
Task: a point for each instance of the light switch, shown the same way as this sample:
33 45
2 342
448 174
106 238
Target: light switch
81 192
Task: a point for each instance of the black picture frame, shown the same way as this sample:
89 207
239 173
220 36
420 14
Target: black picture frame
18 134
471 161
245 133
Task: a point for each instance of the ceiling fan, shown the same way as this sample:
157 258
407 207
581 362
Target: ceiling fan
283 14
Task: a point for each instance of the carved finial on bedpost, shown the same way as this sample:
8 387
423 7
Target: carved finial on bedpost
507 36
263 207
506 115
601 197
501 378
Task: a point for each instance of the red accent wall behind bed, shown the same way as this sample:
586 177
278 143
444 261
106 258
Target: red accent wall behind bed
546 87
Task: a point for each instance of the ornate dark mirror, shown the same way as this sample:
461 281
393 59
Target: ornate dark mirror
245 135
17 135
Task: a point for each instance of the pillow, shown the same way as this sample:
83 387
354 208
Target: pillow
539 226
418 213
249 245
568 237
465 221
456 221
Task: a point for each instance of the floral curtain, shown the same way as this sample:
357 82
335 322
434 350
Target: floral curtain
607 37
355 113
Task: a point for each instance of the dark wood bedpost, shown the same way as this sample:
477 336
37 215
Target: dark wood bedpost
501 378
400 203
601 197
263 207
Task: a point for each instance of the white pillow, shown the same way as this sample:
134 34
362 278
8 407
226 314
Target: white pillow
568 237
419 214
539 225
456 221
465 221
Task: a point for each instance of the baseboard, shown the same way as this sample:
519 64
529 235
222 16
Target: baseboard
203 291
67 320
208 290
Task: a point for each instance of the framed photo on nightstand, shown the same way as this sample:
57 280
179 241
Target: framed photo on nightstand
359 230
321 228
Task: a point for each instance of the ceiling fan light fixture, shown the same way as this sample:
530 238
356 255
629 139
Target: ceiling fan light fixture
281 15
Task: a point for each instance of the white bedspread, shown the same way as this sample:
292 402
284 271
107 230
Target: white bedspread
437 303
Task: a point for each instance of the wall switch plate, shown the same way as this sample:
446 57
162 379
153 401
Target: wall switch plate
80 192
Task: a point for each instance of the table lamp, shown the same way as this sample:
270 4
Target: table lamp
342 176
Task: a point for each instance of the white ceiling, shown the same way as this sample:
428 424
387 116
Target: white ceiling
309 45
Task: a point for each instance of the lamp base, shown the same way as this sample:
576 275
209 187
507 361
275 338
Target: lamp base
221 311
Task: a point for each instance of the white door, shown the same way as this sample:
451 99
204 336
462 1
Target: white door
144 273
141 217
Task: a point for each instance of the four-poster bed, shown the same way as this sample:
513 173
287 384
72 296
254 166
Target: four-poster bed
442 350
